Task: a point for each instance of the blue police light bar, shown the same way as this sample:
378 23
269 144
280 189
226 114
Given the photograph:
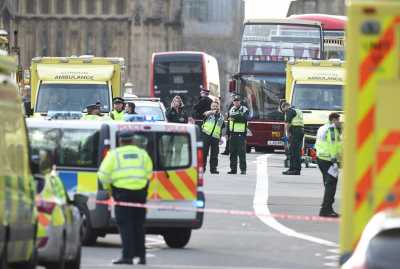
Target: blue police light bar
64 115
138 118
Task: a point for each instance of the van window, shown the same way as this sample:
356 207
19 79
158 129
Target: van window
174 151
72 147
144 141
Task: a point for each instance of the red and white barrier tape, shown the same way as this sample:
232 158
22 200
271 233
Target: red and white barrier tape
280 216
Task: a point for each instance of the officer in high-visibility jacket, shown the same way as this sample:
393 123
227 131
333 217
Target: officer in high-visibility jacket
295 132
126 171
119 109
93 112
238 116
329 151
212 130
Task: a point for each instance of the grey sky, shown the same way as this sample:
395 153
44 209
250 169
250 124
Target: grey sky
266 8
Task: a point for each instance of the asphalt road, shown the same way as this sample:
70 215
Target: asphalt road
251 242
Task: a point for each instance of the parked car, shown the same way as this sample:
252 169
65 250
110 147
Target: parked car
59 221
379 245
153 108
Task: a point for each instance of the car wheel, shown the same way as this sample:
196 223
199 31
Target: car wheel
88 235
76 262
177 238
248 149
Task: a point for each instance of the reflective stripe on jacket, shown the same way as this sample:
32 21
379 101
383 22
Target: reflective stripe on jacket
127 167
212 126
328 143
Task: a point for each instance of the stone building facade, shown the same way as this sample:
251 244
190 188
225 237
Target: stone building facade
132 29
334 7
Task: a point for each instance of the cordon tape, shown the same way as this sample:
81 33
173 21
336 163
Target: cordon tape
231 212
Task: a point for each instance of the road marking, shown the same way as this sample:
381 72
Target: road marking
100 265
261 208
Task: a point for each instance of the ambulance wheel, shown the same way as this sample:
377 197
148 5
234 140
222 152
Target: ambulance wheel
89 235
177 238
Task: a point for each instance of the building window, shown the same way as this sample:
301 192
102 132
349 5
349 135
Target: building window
90 49
44 43
197 10
30 6
60 7
90 7
106 6
121 6
44 6
60 43
75 5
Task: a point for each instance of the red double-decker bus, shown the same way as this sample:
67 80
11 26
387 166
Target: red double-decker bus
334 32
266 47
183 73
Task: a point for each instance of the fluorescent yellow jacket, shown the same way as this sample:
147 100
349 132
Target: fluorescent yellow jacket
127 167
298 120
91 117
213 125
118 116
238 120
328 144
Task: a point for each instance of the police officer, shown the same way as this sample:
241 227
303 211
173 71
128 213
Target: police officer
328 147
212 130
126 172
295 131
203 105
238 116
93 112
118 112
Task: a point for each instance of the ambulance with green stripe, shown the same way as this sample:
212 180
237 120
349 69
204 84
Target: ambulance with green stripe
177 154
18 216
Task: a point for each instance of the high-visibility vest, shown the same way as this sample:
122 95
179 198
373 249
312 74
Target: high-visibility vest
118 116
212 126
91 117
329 145
53 191
127 167
298 119
234 126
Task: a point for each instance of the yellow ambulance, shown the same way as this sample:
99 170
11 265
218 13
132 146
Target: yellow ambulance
72 83
316 88
371 180
17 189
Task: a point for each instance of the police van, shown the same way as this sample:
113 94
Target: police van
177 154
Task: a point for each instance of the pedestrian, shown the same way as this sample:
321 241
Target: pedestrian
176 113
93 112
130 108
203 105
118 109
238 117
126 172
211 131
294 128
329 150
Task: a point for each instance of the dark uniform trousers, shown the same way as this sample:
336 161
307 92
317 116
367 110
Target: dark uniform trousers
237 147
210 144
130 221
330 184
295 145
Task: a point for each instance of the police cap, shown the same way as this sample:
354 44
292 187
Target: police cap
126 135
118 100
236 98
93 106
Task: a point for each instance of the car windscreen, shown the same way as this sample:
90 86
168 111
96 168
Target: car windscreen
71 97
153 111
318 97
71 147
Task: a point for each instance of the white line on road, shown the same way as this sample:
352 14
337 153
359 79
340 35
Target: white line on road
261 208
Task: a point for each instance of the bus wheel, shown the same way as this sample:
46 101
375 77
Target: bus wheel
177 238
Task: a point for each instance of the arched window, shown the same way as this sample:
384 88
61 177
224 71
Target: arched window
75 5
60 6
90 7
45 6
121 7
106 6
30 6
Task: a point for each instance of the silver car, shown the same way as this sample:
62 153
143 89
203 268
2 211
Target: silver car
151 107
